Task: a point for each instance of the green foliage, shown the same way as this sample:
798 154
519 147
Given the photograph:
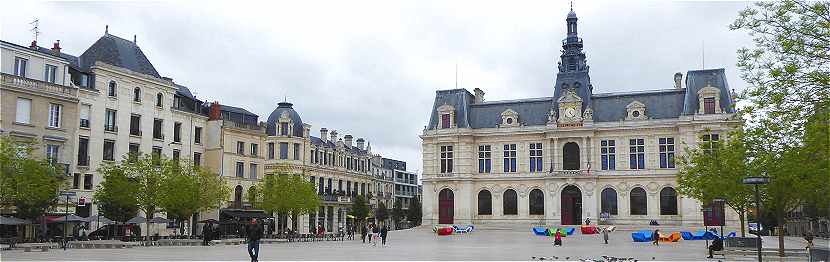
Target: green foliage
360 210
284 194
397 212
381 213
188 189
414 212
117 194
30 185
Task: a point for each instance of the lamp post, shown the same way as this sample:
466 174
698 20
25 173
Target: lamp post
762 180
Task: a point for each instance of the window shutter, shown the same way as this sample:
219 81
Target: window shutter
24 108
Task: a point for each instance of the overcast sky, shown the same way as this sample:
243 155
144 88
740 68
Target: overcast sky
371 68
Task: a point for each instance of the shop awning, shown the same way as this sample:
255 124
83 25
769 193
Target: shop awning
244 214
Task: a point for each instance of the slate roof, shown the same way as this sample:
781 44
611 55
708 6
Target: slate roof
532 112
237 110
458 98
271 128
698 79
183 91
119 52
660 104
328 144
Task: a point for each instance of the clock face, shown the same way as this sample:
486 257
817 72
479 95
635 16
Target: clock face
570 112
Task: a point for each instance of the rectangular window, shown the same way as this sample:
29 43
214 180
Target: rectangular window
52 153
446 159
109 120
176 154
83 151
197 159
84 115
709 105
24 111
636 153
253 170
135 125
109 150
134 149
284 129
666 147
157 127
177 132
20 66
76 181
240 169
55 115
296 151
510 158
240 147
49 73
710 141
608 153
445 121
156 152
254 150
271 150
535 157
197 135
88 182
283 150
484 159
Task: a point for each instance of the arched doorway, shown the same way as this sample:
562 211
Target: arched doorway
445 206
485 202
570 156
537 202
237 197
571 205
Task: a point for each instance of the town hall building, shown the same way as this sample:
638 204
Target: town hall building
574 155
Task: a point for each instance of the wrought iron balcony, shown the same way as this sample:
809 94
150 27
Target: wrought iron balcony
568 173
39 86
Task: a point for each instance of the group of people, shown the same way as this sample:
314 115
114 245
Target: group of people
372 232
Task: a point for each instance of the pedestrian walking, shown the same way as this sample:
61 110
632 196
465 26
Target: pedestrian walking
605 235
656 237
254 231
557 238
374 234
383 232
206 234
363 233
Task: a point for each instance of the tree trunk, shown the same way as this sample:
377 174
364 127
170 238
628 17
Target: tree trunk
742 215
781 238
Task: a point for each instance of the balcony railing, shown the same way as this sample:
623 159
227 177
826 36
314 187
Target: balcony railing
229 123
568 173
37 85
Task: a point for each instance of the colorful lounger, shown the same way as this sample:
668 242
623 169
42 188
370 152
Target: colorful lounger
541 231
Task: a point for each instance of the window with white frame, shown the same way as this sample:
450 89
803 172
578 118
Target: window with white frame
24 111
446 159
710 142
254 150
484 158
240 169
52 153
50 72
84 115
666 148
253 170
636 153
608 154
112 89
535 157
20 66
509 158
109 120
55 115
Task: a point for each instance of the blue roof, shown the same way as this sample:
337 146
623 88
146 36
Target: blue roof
271 128
698 79
532 112
119 52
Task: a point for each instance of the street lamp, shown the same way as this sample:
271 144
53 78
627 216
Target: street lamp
758 180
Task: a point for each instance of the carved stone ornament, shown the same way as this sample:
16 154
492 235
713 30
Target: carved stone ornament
552 117
588 115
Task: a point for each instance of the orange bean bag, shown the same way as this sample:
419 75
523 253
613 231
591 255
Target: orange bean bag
588 230
674 237
445 231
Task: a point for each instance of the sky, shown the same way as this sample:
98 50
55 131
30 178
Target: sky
371 68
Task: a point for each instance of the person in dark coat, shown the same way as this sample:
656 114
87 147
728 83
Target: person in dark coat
207 233
363 233
255 232
717 245
656 237
383 231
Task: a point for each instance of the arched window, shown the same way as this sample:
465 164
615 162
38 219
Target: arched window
137 94
537 202
111 91
668 201
570 156
159 100
509 202
639 204
237 197
485 203
609 201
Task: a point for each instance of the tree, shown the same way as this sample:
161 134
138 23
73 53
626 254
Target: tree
188 189
788 69
414 212
381 212
397 212
147 173
717 170
285 194
28 184
360 210
117 194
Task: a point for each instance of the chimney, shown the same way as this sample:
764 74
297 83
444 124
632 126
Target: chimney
333 136
324 133
33 45
678 80
360 143
479 95
348 140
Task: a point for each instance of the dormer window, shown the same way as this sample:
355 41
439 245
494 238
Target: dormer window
284 124
709 100
445 120
137 94
111 89
447 114
159 100
708 105
636 111
509 118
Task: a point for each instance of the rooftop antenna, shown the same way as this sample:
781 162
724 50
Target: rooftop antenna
572 5
35 28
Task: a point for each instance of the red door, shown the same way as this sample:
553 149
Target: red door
567 210
571 206
445 206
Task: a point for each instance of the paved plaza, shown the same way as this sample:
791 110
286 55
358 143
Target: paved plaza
416 244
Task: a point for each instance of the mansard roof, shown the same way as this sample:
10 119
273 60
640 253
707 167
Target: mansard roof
119 52
328 144
697 80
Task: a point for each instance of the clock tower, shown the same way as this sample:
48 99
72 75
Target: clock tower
572 90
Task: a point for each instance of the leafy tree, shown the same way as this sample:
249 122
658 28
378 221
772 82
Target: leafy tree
788 69
381 212
717 170
285 194
148 173
30 185
360 210
397 212
414 212
188 189
117 194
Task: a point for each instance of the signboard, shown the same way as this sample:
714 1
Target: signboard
713 214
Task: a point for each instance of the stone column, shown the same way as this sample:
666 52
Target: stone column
555 154
583 153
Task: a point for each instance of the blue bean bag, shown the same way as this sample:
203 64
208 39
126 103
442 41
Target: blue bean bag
732 234
570 230
459 229
641 236
686 235
541 231
699 235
